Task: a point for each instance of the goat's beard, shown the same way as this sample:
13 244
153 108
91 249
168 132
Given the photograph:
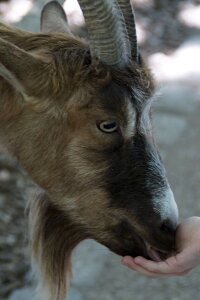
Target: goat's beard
53 238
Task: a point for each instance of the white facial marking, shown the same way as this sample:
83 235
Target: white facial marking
131 120
145 103
166 206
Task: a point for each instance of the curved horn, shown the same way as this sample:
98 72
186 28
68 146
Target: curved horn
128 12
107 31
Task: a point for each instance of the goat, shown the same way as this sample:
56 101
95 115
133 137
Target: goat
77 116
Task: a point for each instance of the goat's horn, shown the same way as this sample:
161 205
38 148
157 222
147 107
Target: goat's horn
129 18
107 31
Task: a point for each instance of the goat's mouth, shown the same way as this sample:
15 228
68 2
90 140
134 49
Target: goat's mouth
156 254
141 247
156 247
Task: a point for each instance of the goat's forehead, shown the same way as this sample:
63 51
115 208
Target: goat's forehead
125 101
113 95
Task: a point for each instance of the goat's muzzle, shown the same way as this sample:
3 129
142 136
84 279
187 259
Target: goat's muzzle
157 246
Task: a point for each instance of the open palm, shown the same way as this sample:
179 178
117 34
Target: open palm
186 258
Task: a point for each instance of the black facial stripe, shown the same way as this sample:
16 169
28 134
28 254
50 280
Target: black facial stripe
133 178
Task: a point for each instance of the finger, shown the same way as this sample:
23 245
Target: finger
168 266
133 266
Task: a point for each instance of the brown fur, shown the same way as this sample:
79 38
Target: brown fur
52 95
53 238
25 121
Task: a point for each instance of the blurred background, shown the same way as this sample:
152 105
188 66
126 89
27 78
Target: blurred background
169 39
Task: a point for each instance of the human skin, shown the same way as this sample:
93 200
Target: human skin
186 258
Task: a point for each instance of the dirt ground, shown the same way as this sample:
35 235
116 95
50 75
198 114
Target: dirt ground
164 32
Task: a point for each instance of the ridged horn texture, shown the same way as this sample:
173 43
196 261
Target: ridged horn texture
107 31
128 12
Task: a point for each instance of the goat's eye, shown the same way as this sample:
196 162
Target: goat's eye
108 126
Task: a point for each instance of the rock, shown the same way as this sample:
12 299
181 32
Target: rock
4 175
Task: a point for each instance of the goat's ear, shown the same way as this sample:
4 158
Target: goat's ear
53 18
20 68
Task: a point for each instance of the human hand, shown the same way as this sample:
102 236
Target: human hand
187 257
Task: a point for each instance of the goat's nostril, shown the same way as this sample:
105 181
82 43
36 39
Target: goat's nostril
168 227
